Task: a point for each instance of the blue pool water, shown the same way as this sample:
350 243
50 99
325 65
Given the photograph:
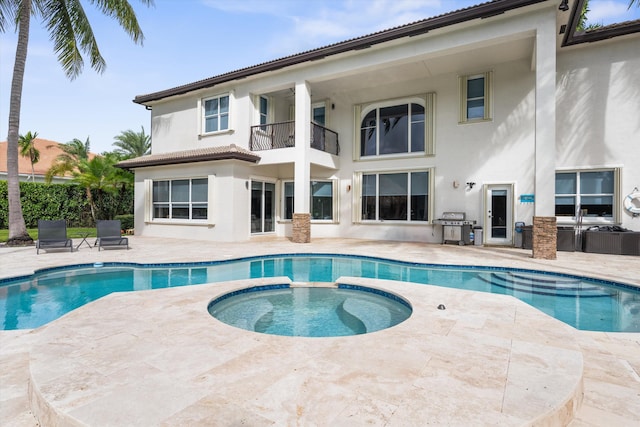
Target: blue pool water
310 311
586 304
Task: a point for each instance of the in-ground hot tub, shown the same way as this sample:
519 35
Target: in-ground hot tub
311 311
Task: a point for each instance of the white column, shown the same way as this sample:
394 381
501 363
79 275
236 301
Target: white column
545 157
303 147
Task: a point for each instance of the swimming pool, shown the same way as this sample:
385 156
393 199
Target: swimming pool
587 304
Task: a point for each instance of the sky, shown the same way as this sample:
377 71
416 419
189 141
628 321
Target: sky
190 40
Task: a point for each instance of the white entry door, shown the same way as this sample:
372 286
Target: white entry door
498 221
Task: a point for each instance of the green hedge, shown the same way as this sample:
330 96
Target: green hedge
64 201
126 221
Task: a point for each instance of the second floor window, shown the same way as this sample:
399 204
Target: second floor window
264 110
475 97
396 127
392 130
216 113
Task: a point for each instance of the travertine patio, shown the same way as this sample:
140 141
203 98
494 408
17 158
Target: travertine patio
158 358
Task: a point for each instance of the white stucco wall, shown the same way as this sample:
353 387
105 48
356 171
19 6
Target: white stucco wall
598 99
497 151
596 110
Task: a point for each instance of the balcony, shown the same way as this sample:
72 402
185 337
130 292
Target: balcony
283 135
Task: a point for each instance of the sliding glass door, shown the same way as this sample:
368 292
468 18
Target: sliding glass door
263 207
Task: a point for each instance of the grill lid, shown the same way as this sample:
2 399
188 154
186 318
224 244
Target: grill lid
459 216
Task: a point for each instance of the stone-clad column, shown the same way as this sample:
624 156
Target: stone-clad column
301 228
545 235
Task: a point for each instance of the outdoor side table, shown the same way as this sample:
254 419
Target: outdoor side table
84 240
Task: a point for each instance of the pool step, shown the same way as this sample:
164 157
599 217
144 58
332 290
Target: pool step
374 316
540 285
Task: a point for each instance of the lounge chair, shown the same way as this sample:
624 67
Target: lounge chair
53 234
110 234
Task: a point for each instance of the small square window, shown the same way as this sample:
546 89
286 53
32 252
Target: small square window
215 114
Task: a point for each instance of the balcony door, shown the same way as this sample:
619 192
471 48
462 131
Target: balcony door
498 214
263 207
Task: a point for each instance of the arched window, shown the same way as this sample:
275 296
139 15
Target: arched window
397 127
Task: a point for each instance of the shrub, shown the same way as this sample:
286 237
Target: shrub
126 221
63 201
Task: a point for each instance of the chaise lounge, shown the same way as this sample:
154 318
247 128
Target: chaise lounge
53 234
110 234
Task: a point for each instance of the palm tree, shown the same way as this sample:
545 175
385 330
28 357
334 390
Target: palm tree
98 174
133 144
631 2
582 21
28 149
74 152
72 35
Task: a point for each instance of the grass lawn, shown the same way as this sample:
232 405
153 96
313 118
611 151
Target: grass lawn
71 232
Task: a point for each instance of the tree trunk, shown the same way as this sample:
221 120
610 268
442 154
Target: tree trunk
17 230
91 204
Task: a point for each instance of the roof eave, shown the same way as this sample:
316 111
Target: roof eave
484 10
140 162
573 37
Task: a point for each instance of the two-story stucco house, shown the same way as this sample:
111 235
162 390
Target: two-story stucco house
501 111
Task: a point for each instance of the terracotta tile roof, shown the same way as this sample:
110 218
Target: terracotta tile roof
49 150
227 152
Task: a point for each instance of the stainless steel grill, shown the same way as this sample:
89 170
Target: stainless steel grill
455 227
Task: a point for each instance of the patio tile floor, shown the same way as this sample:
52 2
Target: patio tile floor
316 385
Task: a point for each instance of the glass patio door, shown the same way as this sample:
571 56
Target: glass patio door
499 214
263 207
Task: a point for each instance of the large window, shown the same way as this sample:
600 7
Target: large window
475 97
396 127
591 193
321 200
400 196
215 114
182 199
392 130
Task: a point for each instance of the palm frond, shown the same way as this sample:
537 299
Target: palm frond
122 11
8 14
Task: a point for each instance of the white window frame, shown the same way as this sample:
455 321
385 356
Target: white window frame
357 192
428 101
323 105
266 115
203 118
615 217
487 97
334 200
150 203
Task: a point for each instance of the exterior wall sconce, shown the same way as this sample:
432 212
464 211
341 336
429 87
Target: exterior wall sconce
456 184
564 5
471 184
348 187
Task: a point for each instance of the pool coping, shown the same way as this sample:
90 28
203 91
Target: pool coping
539 354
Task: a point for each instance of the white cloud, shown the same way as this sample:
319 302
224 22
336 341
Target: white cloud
334 21
252 6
